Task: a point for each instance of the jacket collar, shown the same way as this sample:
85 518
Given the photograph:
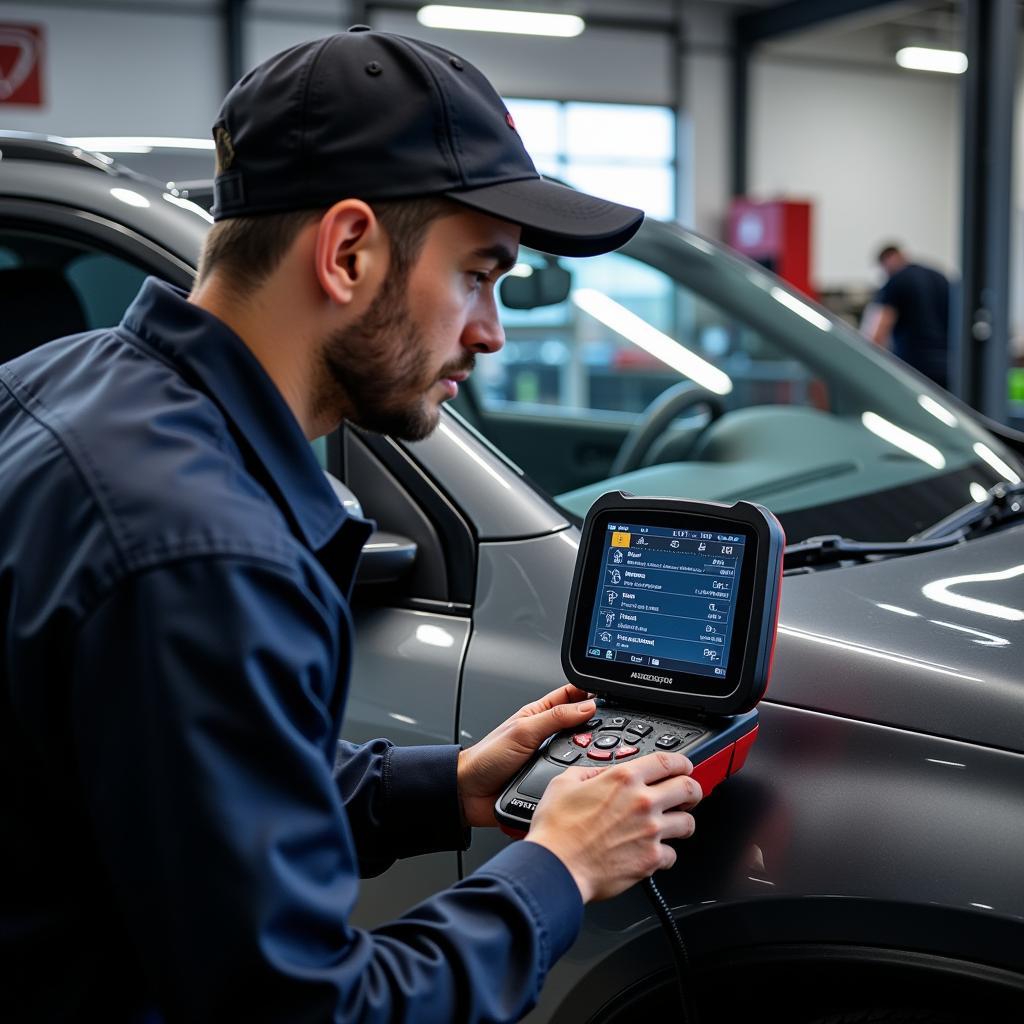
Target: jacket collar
210 356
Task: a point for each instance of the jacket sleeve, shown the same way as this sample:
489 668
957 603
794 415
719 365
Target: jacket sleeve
203 732
400 801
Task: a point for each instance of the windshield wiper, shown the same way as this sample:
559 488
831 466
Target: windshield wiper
832 548
1003 503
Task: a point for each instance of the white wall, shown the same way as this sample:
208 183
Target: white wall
122 72
877 151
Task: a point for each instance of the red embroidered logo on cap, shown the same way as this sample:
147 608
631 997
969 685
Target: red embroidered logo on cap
509 121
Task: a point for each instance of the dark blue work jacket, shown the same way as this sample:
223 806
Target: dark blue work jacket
181 833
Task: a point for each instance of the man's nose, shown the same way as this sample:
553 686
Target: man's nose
484 332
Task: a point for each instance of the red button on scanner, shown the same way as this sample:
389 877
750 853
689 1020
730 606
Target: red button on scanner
600 755
626 752
582 739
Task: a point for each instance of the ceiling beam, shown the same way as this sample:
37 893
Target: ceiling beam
759 26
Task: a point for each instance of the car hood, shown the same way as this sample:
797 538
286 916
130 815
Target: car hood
929 642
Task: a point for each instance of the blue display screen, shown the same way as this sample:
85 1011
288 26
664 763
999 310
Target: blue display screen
666 598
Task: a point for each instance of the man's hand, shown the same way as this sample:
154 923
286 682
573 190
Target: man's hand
608 826
877 324
487 767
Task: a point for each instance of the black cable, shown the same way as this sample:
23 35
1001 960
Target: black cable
679 954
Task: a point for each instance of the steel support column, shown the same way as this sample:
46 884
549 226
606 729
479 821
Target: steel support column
234 40
740 124
980 326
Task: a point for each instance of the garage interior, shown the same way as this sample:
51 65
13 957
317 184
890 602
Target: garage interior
778 148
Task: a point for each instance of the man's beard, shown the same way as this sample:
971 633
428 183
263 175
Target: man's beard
379 369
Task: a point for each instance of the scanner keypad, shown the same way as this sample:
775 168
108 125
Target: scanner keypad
609 738
616 722
565 754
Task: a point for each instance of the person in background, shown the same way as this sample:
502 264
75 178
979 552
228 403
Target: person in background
910 314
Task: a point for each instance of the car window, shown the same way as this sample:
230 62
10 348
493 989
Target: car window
52 285
104 284
580 353
675 368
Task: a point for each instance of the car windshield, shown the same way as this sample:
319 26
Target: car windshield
675 368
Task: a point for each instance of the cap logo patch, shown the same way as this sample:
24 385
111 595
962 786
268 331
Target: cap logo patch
225 149
509 121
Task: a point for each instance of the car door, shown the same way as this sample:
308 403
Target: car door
412 631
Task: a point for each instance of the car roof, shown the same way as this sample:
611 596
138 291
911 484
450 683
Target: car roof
49 170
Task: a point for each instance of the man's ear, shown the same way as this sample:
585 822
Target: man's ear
350 251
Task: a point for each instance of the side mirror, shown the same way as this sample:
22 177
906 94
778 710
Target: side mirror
387 557
543 286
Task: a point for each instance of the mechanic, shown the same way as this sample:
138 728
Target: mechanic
910 314
183 830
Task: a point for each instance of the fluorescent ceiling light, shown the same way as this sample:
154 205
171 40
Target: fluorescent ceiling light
897 609
939 411
637 330
910 443
484 19
942 591
132 198
187 204
435 636
987 455
137 143
874 652
809 313
924 58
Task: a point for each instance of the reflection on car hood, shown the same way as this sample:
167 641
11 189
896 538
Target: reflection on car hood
933 642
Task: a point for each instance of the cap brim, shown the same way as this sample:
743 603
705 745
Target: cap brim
555 218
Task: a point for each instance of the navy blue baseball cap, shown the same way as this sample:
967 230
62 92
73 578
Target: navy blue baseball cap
376 116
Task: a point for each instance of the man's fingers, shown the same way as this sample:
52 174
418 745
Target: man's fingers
677 825
566 694
661 765
534 729
573 776
680 792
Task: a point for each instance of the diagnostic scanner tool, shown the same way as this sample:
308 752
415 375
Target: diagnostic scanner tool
671 624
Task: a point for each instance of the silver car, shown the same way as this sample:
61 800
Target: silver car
868 859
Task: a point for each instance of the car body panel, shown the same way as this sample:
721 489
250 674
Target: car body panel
488 488
406 662
930 642
179 229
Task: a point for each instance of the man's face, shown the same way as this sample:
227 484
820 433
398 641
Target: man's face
420 337
892 262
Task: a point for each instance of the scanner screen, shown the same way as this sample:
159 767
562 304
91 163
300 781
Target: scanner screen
666 598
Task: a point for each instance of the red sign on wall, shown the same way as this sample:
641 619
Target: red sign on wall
21 65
